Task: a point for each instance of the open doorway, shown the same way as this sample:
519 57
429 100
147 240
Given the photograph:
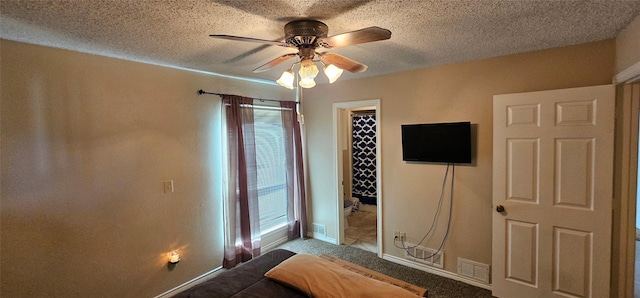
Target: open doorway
359 179
357 140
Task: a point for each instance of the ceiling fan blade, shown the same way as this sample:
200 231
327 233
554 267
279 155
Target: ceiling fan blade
249 39
343 62
355 37
274 62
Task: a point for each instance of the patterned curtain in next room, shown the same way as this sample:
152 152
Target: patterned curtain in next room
364 158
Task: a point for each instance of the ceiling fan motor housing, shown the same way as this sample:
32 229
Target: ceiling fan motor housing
305 28
305 33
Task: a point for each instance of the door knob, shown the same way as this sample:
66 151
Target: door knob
500 208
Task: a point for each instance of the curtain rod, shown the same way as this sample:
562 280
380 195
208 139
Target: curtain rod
200 92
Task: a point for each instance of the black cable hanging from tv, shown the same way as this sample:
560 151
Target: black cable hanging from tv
446 235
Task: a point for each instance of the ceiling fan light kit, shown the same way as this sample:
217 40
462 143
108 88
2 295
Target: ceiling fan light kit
308 71
333 72
307 83
308 35
286 79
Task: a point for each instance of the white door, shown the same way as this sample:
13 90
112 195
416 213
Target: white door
553 176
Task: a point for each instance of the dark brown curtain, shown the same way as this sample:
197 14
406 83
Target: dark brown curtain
242 219
296 198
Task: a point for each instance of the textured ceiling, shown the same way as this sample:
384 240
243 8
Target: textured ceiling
424 33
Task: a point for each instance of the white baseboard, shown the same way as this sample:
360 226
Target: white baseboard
323 238
273 245
435 271
194 282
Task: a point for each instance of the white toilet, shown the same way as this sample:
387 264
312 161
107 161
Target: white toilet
349 206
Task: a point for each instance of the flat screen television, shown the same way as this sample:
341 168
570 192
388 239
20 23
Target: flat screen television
437 142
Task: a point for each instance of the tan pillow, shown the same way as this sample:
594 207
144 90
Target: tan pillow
318 277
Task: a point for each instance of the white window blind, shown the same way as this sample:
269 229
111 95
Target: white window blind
271 167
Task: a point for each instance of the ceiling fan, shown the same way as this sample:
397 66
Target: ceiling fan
307 35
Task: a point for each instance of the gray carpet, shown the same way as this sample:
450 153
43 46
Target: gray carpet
436 285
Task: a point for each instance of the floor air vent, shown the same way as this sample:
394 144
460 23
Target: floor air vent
320 230
474 270
424 255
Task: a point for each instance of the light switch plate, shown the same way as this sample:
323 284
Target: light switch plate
168 186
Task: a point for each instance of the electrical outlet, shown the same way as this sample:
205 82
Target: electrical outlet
399 235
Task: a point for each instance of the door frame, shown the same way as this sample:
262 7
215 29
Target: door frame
337 161
626 171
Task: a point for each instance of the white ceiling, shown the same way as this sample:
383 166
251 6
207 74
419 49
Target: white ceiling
424 33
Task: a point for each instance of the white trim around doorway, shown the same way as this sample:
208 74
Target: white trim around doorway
629 75
628 109
375 103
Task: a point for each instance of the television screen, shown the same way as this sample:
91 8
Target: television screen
437 142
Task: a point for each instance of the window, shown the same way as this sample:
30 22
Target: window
263 196
271 168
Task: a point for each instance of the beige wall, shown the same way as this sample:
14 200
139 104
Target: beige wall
628 46
458 92
86 143
88 140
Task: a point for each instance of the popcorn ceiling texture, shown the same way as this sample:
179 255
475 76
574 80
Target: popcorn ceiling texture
424 33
